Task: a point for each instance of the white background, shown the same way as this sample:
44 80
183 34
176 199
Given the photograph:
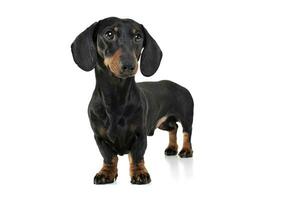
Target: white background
227 53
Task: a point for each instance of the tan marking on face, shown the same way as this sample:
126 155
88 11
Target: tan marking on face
136 169
113 62
110 170
160 121
186 142
173 139
115 28
134 30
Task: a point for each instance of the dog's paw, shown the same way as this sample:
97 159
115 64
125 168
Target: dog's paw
104 179
140 179
185 153
170 151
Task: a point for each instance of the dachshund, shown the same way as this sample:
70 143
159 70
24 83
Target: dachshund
122 112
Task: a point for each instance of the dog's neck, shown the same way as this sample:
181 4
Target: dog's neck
115 92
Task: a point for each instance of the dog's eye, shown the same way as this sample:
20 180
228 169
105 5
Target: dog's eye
109 35
137 37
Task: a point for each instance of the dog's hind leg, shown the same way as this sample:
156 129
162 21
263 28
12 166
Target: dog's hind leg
170 124
186 150
172 148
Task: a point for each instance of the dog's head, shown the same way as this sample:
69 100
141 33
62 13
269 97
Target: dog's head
117 44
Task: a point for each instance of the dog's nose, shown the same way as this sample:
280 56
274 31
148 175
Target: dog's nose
127 67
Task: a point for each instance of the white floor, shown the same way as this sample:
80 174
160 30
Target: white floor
63 167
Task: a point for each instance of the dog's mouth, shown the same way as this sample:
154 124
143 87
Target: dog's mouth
125 75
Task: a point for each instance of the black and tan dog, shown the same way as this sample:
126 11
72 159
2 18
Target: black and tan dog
122 112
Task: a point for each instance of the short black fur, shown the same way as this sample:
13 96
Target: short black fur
122 112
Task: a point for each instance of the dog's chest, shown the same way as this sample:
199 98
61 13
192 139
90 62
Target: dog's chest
118 126
120 138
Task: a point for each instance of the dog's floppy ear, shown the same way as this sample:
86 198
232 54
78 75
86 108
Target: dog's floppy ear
151 55
83 49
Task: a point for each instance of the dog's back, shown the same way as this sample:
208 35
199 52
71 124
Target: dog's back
167 99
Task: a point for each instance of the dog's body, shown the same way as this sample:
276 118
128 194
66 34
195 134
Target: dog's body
122 112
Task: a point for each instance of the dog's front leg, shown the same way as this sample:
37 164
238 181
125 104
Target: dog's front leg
108 172
138 172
